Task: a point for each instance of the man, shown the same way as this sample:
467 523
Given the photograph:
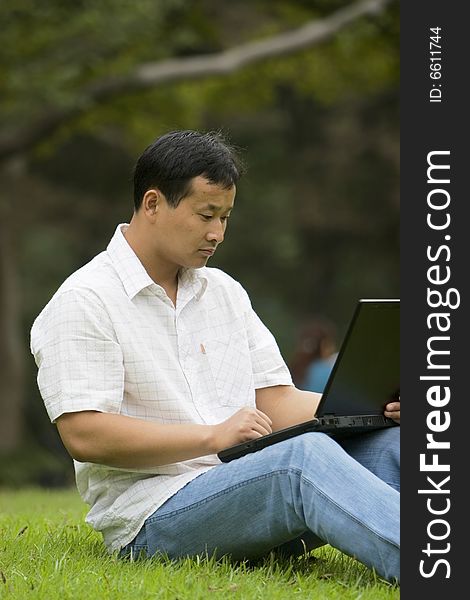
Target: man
150 363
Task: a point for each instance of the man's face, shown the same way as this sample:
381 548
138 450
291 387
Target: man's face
189 234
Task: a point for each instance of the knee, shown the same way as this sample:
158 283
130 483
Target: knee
303 450
321 442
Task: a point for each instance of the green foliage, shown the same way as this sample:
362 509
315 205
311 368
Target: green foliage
356 62
52 51
47 552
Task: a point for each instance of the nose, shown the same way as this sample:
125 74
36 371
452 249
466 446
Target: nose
216 232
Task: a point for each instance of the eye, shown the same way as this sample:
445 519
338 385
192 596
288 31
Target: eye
206 217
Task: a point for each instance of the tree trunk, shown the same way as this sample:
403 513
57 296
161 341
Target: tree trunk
11 347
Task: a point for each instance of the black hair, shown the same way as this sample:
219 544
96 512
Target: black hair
174 159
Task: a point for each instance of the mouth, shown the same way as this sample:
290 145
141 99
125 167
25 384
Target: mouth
207 251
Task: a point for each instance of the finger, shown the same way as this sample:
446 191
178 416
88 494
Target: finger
264 416
255 433
393 406
264 425
261 428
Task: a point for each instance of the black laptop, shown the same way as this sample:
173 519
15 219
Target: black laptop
364 378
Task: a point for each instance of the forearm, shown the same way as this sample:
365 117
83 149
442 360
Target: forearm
127 442
286 405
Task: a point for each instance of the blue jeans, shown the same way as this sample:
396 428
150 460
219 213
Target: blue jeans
299 493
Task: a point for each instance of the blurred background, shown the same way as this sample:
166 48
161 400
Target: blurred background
307 89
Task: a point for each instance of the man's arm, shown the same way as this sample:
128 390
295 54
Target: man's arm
126 442
286 405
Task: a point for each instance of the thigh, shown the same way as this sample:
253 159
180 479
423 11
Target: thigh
235 509
243 508
379 452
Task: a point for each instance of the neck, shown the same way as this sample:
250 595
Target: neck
163 274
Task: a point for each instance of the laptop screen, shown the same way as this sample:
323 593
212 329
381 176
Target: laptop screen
366 374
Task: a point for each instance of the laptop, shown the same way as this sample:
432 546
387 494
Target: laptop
365 377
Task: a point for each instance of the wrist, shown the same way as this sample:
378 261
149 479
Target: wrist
211 440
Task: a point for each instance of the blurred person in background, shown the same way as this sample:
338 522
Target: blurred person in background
315 354
150 363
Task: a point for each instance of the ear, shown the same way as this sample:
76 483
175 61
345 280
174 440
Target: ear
151 202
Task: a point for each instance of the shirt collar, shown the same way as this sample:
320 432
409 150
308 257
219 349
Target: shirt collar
133 275
195 279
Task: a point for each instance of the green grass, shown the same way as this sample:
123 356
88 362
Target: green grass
48 552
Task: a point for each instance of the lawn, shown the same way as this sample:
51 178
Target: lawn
48 552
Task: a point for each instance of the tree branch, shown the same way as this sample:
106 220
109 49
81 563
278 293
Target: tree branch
150 75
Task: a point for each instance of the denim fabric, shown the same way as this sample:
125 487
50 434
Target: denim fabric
309 487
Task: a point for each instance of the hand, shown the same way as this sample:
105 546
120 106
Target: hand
246 424
392 410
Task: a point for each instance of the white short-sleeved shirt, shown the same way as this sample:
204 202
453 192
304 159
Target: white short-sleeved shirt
111 340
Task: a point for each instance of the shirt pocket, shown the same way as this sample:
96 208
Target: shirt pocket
231 369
